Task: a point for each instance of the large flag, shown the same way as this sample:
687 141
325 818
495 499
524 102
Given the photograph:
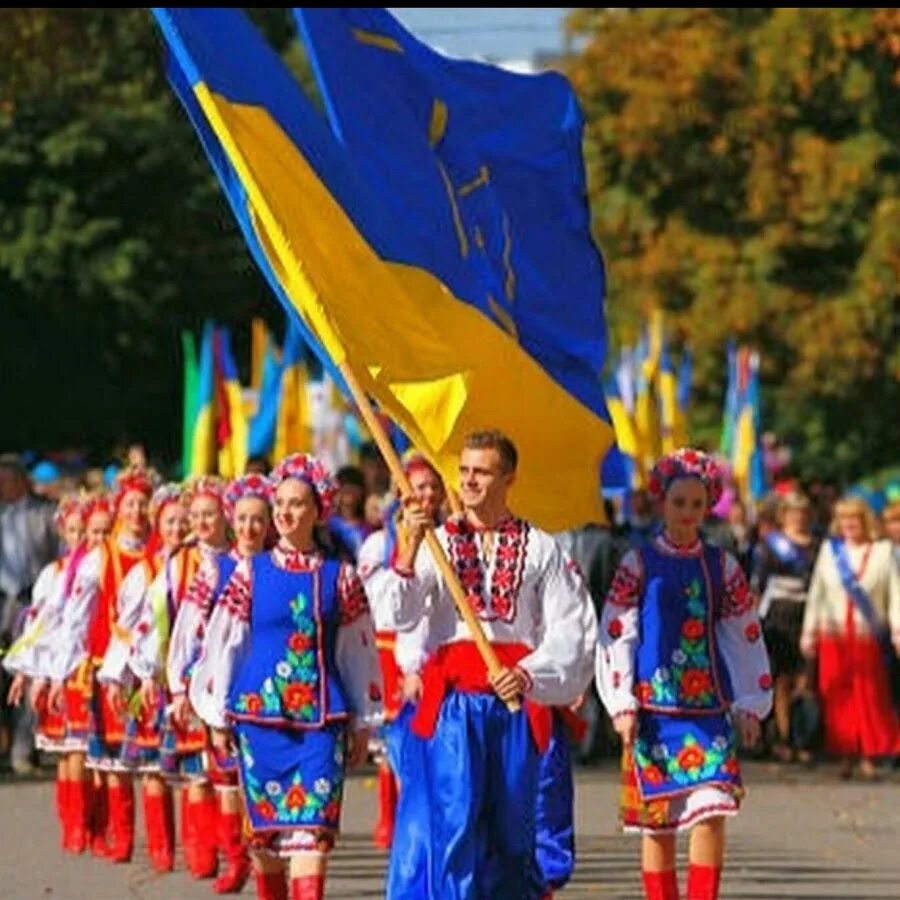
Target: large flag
189 402
259 347
203 439
458 281
685 383
748 462
668 400
231 423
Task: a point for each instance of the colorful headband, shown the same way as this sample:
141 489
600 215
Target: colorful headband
249 486
203 486
414 461
310 471
686 463
141 480
162 497
69 506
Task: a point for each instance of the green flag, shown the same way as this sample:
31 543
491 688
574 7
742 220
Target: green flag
189 415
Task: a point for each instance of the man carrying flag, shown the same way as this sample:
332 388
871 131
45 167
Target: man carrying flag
478 784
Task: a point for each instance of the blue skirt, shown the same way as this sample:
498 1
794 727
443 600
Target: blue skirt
292 779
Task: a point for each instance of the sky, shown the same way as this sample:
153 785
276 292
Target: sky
489 32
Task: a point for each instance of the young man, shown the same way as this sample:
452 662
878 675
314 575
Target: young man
478 786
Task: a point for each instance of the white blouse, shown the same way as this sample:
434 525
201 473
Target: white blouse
68 642
228 640
412 647
191 617
29 655
523 589
827 603
738 634
130 608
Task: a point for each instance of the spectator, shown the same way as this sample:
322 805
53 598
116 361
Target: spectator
348 525
28 541
45 481
374 469
891 519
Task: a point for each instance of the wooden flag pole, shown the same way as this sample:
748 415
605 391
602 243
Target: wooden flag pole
434 545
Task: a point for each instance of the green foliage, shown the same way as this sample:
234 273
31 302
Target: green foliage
744 175
114 235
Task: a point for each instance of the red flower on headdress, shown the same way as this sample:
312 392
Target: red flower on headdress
309 470
249 486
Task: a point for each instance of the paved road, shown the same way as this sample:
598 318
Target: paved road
801 835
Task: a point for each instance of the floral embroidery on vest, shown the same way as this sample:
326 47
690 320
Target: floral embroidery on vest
292 801
294 689
686 681
510 546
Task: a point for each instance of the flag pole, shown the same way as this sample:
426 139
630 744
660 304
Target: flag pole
437 551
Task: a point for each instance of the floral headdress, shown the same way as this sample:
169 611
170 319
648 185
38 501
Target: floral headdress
312 472
686 463
204 486
249 486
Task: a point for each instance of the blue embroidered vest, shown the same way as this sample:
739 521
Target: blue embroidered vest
679 667
289 676
226 565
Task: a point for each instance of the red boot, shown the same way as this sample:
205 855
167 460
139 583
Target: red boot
271 886
188 831
387 807
308 887
234 852
202 833
703 882
121 821
661 885
158 820
99 818
79 815
63 811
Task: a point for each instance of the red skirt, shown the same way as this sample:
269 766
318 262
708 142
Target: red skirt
857 704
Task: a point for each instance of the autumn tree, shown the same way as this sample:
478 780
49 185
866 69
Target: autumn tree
744 173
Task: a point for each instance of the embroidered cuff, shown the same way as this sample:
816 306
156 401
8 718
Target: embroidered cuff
402 571
624 712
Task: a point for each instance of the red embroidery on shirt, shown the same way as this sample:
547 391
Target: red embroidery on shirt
765 681
752 632
351 595
510 549
625 587
737 598
614 629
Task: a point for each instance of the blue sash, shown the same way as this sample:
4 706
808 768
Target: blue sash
786 550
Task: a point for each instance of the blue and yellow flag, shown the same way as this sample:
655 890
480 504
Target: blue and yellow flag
668 401
456 306
292 429
231 422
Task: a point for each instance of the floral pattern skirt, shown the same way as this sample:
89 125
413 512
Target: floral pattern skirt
681 770
293 781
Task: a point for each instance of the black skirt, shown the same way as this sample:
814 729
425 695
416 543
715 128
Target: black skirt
782 627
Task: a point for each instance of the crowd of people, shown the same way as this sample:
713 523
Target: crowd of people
246 643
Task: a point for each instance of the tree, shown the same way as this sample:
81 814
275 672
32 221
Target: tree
113 232
744 176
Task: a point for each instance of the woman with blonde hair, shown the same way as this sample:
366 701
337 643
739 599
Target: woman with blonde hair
782 569
852 611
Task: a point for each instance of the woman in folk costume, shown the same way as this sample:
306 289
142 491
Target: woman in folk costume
185 740
852 615
248 509
681 667
782 568
89 620
27 659
401 656
140 748
289 663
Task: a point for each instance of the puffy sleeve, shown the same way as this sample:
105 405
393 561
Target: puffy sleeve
740 642
226 641
619 637
816 598
130 604
411 649
560 666
68 645
399 596
146 659
187 632
356 656
23 655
